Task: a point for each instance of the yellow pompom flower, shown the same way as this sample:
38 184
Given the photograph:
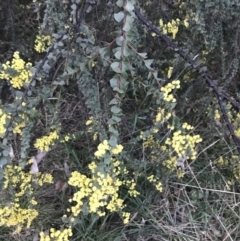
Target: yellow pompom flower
118 149
20 71
44 143
42 42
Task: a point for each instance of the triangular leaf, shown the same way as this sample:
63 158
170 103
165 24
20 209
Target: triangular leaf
118 53
115 109
113 130
143 55
118 90
113 141
129 6
115 67
120 3
126 27
3 161
119 40
119 16
113 102
148 63
113 82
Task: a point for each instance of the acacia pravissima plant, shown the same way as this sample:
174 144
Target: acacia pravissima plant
138 119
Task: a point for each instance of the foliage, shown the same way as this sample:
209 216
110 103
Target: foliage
119 120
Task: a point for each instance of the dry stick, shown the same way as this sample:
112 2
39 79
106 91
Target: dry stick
88 4
220 96
81 16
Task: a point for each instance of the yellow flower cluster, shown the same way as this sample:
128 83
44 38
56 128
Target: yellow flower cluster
44 143
18 128
118 149
57 235
170 27
186 21
151 179
161 117
168 89
95 135
118 169
217 114
153 145
99 193
132 185
126 217
187 126
17 72
221 162
44 178
236 169
150 142
234 160
67 137
104 147
170 70
21 184
171 163
184 144
235 119
237 132
15 216
89 121
42 42
3 120
180 173
159 187
157 184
